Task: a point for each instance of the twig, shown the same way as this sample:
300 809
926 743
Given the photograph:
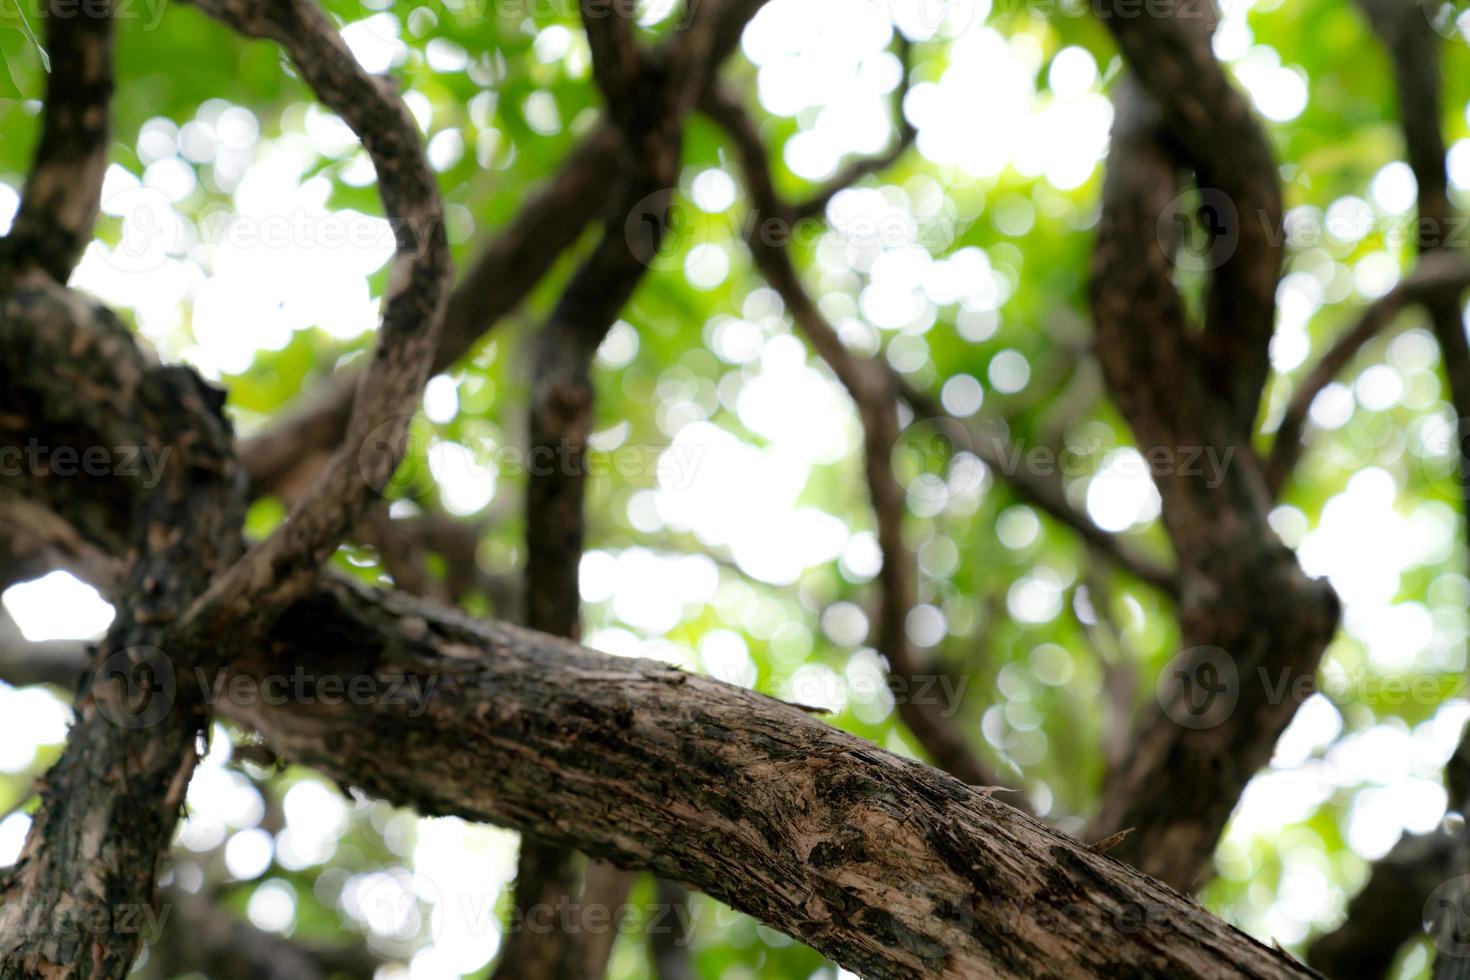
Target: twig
279 569
1434 274
871 387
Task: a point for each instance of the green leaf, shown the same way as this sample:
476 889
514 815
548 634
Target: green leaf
25 27
7 84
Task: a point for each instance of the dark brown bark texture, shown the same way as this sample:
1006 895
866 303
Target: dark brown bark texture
109 805
891 868
61 199
1246 611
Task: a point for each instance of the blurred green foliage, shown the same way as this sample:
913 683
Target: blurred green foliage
1036 702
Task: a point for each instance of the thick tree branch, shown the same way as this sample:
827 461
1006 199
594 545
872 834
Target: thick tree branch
1211 127
79 857
1250 619
617 63
71 432
889 867
109 805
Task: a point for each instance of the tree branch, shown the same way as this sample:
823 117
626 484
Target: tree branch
280 568
200 937
548 223
1414 50
816 204
1434 275
616 61
668 948
1387 912
889 867
63 191
109 805
1247 613
650 107
1214 131
1044 490
874 395
34 541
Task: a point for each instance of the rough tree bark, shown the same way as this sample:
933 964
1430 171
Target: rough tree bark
888 866
109 806
1249 617
891 868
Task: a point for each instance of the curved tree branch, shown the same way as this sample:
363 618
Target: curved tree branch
548 223
280 568
890 867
